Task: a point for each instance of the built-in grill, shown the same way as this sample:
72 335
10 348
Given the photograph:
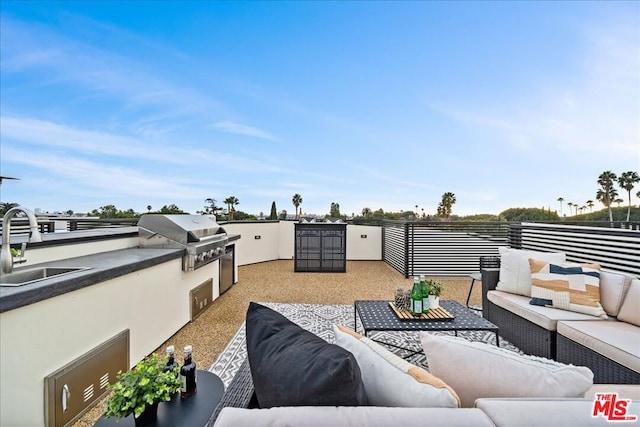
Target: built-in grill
202 237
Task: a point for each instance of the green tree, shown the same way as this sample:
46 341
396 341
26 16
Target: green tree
110 211
231 202
243 216
297 201
171 209
335 210
274 213
366 212
626 181
446 204
283 214
607 193
528 214
210 208
149 208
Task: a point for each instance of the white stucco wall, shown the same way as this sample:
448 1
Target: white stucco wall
277 241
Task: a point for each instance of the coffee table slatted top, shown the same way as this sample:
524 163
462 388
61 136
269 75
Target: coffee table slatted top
379 316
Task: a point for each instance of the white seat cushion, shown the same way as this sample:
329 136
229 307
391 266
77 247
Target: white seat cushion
618 341
545 317
545 412
370 416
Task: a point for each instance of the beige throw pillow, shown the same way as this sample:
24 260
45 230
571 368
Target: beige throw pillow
515 275
391 381
476 370
567 286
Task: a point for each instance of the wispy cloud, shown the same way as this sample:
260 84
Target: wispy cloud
108 179
240 129
595 111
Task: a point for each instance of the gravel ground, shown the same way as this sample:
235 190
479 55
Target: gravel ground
275 281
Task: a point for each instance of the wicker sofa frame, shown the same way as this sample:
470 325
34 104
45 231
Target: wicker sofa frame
526 335
605 370
239 394
535 340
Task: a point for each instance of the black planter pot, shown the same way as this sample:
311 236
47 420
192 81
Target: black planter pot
148 416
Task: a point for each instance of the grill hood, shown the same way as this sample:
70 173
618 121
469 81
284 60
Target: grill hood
184 229
201 237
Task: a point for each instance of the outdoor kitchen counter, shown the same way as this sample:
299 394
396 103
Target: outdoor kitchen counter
103 266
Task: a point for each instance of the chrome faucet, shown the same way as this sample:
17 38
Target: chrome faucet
6 258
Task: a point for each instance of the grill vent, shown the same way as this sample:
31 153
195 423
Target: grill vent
88 393
104 380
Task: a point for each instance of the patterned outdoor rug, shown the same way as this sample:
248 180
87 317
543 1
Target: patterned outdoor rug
319 319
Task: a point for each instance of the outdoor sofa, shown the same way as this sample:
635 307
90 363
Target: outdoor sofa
240 404
609 346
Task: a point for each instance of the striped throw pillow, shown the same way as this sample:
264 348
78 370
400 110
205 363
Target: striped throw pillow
567 286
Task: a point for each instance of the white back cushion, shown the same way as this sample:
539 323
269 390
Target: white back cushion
515 273
613 288
476 370
630 309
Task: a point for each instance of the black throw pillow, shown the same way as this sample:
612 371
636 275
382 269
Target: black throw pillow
291 366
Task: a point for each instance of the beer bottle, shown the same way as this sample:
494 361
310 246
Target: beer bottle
416 298
188 374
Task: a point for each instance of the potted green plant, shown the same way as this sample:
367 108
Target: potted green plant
139 390
435 289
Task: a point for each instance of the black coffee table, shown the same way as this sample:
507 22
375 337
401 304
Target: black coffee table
193 411
379 316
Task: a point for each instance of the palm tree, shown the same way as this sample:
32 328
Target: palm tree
231 202
445 206
560 199
297 201
366 212
606 193
590 204
570 204
148 208
618 201
626 181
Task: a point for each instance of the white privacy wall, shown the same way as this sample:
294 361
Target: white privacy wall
277 241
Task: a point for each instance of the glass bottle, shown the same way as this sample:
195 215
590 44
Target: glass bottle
171 360
425 294
188 374
416 298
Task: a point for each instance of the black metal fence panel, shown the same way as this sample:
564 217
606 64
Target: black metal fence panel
455 248
613 248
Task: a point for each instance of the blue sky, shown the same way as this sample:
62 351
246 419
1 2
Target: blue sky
367 104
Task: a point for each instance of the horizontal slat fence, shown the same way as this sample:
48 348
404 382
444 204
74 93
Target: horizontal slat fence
613 248
394 245
441 248
454 248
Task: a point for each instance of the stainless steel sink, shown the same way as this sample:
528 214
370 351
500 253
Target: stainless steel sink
23 277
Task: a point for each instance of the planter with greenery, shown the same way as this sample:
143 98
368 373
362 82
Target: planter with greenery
139 390
435 289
